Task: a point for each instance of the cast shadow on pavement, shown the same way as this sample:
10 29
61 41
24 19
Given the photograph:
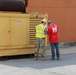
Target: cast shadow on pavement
65 60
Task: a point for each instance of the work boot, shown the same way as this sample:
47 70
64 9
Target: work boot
43 58
58 58
35 58
52 58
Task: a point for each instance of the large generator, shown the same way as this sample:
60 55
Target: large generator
17 29
17 33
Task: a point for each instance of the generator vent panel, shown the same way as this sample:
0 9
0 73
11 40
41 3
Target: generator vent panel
32 24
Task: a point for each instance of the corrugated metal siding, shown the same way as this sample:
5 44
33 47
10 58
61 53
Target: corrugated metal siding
61 12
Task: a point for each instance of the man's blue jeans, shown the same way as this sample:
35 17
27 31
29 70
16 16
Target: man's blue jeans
53 47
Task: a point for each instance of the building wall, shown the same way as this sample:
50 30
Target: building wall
61 12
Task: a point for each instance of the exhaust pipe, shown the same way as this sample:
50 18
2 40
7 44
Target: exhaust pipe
13 5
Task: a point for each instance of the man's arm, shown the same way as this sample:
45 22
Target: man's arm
45 31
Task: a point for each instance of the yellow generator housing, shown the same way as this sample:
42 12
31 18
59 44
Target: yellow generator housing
17 33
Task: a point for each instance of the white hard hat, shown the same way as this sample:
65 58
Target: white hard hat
43 20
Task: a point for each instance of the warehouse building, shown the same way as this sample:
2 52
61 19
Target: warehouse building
61 12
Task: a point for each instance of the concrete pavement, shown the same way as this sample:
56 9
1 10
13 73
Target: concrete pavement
27 66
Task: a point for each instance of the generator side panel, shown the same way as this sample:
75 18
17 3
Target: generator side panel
18 33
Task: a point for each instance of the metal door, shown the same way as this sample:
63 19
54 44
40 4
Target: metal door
18 31
4 31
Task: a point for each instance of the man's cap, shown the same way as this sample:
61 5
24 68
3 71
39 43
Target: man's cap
49 22
43 20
